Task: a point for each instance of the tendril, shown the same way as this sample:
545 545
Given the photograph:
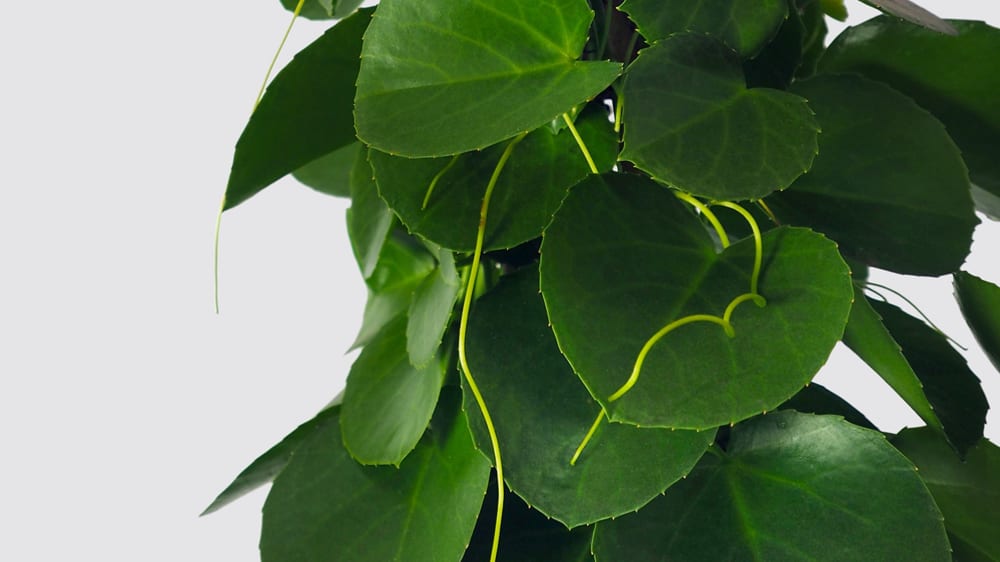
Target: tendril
580 143
707 213
437 177
587 438
463 328
281 45
758 257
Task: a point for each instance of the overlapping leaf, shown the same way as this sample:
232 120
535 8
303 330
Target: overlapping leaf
793 487
450 76
980 303
745 25
888 185
913 13
323 9
387 401
440 198
542 413
817 399
952 389
776 64
949 76
325 506
691 122
623 258
968 492
431 309
305 114
369 220
330 174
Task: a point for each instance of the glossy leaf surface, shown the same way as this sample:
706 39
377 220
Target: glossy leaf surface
431 310
817 399
305 113
980 303
745 25
325 506
387 401
888 185
542 412
450 76
541 169
952 389
968 492
948 76
330 174
369 220
792 487
623 258
871 341
691 122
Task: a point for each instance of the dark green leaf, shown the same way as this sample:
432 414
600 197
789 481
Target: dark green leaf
986 202
542 412
527 535
980 303
691 122
623 258
430 311
949 76
871 341
387 401
450 76
814 36
534 182
745 25
952 389
305 114
330 174
369 220
325 506
775 65
968 492
817 399
267 466
913 13
792 487
888 185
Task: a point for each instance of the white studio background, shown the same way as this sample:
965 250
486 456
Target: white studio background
126 404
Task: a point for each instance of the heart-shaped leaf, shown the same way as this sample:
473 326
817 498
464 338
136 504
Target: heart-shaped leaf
980 303
968 492
691 122
331 174
305 114
325 506
949 76
387 401
440 198
623 258
745 25
792 487
889 185
542 413
450 76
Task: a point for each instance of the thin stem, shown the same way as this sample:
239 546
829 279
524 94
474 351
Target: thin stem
758 258
708 214
274 60
634 377
757 299
463 329
215 258
437 177
587 438
580 143
619 104
767 211
915 307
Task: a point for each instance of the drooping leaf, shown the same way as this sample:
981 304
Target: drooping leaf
691 122
369 220
745 25
325 506
527 535
817 399
952 389
387 401
623 259
986 202
541 169
871 341
269 465
402 266
305 114
431 309
542 413
968 492
330 174
888 185
450 76
775 65
913 13
791 487
949 76
980 303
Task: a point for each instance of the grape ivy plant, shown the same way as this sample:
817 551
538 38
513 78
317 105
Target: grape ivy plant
607 247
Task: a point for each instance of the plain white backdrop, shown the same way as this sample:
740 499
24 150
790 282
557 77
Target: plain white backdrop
126 404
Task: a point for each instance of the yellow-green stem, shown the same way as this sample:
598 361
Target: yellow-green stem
707 213
215 258
758 258
437 177
274 60
587 437
580 143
